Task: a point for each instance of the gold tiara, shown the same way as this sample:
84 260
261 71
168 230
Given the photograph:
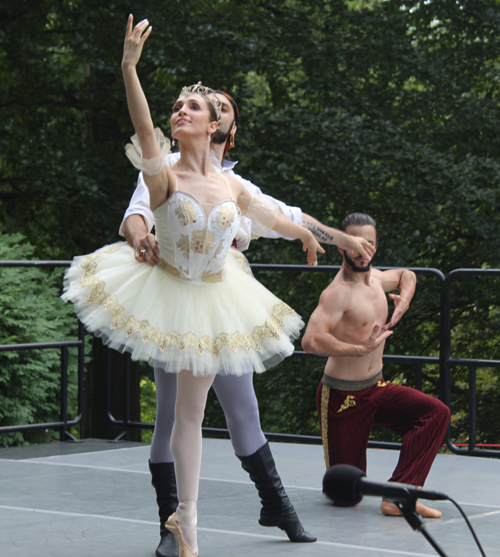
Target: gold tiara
209 94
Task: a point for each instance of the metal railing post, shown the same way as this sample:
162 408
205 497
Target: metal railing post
126 420
472 447
418 376
472 408
64 391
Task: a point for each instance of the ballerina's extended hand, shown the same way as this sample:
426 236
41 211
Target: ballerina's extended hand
312 247
135 37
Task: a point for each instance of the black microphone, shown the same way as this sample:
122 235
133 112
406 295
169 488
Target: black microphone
345 485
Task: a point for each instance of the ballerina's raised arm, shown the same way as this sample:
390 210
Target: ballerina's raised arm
156 175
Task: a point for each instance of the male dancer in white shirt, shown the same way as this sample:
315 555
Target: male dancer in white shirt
235 393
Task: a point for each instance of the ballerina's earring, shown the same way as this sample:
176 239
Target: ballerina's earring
209 138
173 142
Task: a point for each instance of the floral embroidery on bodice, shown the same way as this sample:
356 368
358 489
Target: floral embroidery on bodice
194 246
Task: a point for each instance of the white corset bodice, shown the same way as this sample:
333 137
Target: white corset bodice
194 246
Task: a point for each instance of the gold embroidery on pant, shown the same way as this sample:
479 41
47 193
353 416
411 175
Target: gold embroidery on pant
382 383
348 402
325 397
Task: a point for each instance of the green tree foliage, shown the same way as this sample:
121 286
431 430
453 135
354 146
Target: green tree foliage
31 312
385 107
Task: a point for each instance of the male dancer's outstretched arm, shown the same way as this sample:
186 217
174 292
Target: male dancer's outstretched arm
333 237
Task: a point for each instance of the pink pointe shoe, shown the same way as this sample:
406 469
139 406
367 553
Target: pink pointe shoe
174 527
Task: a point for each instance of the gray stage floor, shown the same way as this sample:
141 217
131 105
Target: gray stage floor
94 499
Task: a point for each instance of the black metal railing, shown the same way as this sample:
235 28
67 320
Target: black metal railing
64 423
447 362
444 361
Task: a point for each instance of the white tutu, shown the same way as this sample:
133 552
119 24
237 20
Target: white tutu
228 327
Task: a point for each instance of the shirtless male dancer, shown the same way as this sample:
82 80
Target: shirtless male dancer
350 327
235 393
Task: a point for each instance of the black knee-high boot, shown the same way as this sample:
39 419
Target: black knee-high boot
276 507
163 480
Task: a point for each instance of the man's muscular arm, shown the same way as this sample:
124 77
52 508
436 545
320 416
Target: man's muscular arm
137 235
319 340
327 235
405 282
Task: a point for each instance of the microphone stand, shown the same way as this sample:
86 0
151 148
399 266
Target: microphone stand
407 507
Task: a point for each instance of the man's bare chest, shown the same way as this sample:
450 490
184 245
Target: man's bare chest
368 307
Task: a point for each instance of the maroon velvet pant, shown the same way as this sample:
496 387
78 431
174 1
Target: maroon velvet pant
346 419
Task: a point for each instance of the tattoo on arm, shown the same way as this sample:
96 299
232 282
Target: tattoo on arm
321 234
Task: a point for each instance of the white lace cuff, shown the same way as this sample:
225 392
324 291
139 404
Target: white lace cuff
149 166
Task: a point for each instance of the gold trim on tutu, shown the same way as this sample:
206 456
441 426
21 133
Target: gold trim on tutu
273 327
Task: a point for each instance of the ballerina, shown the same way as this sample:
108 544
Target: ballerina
198 312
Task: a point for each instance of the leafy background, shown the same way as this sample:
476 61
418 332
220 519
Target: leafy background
385 107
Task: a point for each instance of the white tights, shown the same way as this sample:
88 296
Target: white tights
186 444
239 404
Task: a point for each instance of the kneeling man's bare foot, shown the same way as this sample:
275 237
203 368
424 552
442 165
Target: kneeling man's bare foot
390 509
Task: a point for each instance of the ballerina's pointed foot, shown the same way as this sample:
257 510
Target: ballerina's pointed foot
390 509
184 549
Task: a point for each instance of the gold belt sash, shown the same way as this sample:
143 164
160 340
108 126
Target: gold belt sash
346 385
207 277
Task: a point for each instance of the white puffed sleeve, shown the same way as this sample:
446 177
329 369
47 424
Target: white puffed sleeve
263 216
149 166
